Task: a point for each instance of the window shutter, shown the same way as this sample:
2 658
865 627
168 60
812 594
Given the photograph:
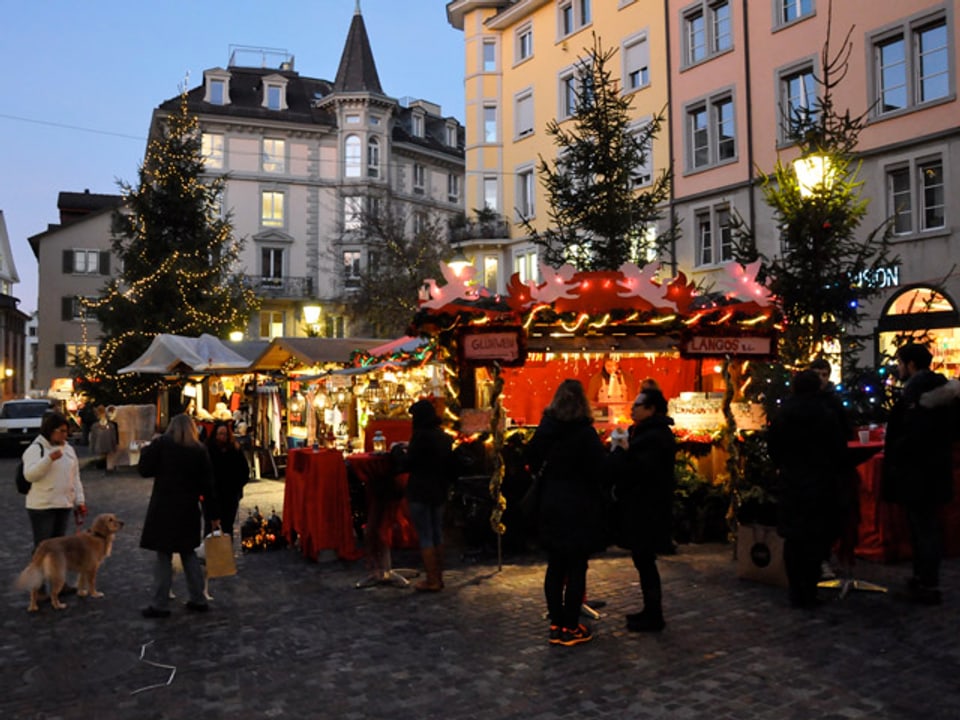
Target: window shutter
68 262
105 262
60 355
66 308
525 115
636 56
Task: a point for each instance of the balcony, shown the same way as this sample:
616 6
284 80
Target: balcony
280 288
480 230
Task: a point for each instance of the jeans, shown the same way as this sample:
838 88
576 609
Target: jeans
163 578
428 520
48 523
564 586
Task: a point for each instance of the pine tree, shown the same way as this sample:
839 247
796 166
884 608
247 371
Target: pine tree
597 218
178 256
386 298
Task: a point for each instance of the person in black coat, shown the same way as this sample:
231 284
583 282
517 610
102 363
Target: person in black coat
808 446
429 461
230 473
643 488
183 476
918 464
568 455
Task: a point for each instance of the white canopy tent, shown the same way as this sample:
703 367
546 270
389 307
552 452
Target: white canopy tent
170 354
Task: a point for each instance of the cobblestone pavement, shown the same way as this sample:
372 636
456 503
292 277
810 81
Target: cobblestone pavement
289 638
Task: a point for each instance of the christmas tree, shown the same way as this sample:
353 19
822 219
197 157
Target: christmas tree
178 256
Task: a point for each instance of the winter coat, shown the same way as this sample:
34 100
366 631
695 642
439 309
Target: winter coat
230 473
182 476
643 484
570 509
429 461
917 462
54 484
808 446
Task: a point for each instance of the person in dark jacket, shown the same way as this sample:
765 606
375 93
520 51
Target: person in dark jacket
183 477
230 473
429 461
568 454
808 446
643 487
918 465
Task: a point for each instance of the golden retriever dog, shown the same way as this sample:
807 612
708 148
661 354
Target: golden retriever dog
82 553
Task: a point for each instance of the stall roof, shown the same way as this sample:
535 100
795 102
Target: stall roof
309 352
169 354
250 349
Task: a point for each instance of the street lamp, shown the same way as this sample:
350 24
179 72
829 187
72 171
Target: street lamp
814 171
459 262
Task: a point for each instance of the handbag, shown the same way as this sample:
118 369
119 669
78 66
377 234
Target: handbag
218 549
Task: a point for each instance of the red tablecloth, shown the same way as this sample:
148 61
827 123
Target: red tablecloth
394 430
316 503
883 533
388 518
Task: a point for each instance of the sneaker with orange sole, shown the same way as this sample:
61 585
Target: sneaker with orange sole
580 634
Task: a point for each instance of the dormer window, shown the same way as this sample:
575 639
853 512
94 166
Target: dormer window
217 87
418 125
452 134
275 92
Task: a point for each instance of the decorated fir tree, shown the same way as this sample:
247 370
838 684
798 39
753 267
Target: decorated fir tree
598 219
178 256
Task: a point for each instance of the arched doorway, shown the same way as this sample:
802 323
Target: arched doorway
922 314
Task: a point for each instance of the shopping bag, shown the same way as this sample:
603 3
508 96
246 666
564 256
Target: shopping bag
219 551
760 555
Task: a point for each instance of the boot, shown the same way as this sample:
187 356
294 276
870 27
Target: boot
432 582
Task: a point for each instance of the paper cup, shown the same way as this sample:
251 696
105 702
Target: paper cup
864 437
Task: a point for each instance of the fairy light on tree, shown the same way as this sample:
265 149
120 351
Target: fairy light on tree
178 255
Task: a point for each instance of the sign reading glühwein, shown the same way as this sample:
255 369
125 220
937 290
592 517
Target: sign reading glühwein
503 346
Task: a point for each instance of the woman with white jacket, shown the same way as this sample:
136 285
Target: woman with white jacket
50 466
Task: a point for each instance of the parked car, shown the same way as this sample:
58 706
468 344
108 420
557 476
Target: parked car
20 421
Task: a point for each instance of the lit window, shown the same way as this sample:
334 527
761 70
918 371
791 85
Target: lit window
211 148
711 133
271 324
525 265
491 272
911 66
523 113
351 156
373 158
271 208
707 31
274 155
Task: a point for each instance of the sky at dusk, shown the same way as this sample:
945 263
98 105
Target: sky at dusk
82 79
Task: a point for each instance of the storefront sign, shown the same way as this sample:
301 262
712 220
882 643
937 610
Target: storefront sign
503 346
722 345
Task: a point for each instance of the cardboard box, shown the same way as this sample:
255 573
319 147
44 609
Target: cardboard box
760 555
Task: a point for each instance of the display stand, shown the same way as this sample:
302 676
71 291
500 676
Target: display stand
384 574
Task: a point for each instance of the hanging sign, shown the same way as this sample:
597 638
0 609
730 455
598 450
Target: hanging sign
491 345
702 345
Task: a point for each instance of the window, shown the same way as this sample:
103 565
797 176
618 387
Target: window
798 102
271 263
714 236
373 207
491 190
790 10
916 196
523 113
576 86
911 66
451 135
335 326
211 148
351 156
636 63
489 123
352 213
217 87
373 158
642 174
418 125
419 179
273 97
217 94
352 119
271 208
271 324
489 55
572 16
453 187
274 155
74 308
711 133
491 272
351 268
707 31
525 195
68 354
524 46
419 222
86 262
525 265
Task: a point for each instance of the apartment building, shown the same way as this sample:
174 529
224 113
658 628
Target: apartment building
307 160
12 323
728 72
